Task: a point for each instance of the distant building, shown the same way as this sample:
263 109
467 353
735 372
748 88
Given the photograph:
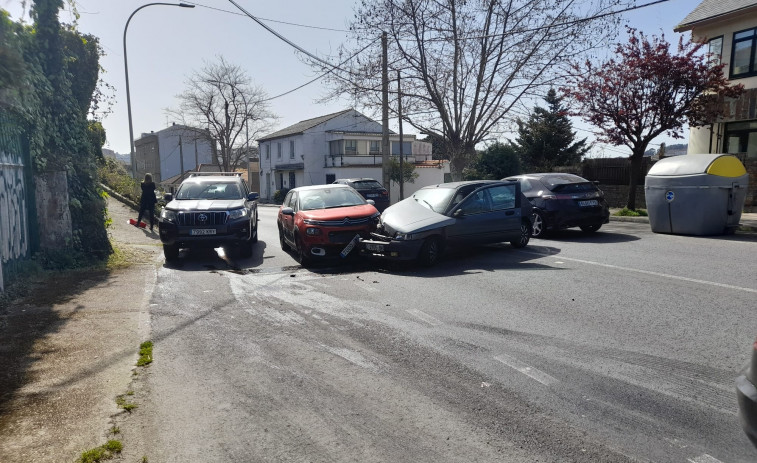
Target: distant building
169 152
346 144
122 158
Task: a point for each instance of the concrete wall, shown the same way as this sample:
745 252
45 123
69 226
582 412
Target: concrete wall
53 214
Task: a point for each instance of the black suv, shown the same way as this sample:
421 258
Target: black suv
210 210
369 189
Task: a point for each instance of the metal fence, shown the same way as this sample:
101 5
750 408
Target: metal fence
17 204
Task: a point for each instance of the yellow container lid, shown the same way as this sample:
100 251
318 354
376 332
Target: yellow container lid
726 166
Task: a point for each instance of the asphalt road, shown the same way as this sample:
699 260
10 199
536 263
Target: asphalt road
618 346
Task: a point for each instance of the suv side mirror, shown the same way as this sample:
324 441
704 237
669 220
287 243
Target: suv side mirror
287 211
168 197
253 196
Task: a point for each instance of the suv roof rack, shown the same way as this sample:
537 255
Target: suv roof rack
215 174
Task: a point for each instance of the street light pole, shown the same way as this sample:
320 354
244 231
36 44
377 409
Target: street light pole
126 70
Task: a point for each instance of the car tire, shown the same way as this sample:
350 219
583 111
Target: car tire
537 229
171 251
525 235
282 240
590 228
254 237
302 256
431 251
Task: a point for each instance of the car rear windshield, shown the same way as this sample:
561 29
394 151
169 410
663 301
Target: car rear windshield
367 185
567 183
209 190
329 198
435 199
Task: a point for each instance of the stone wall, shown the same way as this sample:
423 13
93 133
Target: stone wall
53 214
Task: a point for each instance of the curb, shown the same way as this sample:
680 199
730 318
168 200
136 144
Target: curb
119 197
749 228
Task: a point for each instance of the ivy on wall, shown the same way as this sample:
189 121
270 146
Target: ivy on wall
53 91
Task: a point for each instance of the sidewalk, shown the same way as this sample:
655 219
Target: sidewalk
748 222
69 348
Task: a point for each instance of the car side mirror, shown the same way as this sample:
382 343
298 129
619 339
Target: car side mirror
253 196
458 213
371 202
168 197
287 211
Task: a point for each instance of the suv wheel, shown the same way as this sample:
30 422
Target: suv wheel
171 251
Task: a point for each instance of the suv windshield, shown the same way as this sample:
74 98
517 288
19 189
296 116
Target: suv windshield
435 199
209 190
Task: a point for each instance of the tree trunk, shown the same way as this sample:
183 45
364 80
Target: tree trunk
636 159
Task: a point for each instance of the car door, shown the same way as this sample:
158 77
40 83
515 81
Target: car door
472 219
287 221
506 214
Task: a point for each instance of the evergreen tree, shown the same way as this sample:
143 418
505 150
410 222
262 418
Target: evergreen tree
546 140
494 163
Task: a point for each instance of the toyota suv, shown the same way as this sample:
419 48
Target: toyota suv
210 210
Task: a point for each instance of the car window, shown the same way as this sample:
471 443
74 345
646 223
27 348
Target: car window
462 193
477 203
288 199
435 199
366 185
209 190
502 197
327 198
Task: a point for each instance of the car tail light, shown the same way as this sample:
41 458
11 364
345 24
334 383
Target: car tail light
384 193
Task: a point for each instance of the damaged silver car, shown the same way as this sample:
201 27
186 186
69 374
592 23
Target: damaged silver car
459 213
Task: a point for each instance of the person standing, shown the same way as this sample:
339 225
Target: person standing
147 200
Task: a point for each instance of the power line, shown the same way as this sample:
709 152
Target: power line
269 20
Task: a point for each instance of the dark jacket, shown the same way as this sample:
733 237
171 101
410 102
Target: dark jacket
148 194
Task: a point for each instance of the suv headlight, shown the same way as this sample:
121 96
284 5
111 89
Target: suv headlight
168 215
237 213
404 236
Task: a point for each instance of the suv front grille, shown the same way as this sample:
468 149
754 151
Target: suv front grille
201 219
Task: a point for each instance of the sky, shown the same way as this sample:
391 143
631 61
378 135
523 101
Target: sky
166 44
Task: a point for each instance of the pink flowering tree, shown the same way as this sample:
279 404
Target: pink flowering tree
646 91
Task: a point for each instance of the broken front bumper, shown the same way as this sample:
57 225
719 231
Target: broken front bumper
390 249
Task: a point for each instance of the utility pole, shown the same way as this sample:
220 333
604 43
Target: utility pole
385 149
181 158
399 115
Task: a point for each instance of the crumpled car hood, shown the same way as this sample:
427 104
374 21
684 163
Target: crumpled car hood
407 216
204 204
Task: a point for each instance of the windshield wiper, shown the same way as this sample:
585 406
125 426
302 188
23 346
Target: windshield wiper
429 204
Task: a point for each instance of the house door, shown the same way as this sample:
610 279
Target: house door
291 180
268 185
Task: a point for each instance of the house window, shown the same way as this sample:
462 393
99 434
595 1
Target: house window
350 146
741 137
335 147
715 51
291 149
742 55
278 150
268 151
375 147
330 178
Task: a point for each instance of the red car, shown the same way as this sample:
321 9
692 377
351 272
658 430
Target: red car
322 221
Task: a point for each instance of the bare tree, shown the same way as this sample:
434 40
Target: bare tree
221 102
468 66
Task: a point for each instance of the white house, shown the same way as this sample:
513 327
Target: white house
171 151
346 144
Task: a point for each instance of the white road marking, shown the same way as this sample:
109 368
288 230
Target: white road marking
649 272
425 317
352 357
527 370
704 458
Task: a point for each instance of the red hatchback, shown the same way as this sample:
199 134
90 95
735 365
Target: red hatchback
323 221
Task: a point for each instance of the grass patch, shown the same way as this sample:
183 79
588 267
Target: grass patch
626 212
122 403
103 452
115 430
145 354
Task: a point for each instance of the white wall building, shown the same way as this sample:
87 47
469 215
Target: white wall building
165 152
346 144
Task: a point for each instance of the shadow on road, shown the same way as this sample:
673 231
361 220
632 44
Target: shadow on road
577 236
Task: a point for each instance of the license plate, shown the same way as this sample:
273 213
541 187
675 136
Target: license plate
591 202
372 195
374 247
202 231
349 246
